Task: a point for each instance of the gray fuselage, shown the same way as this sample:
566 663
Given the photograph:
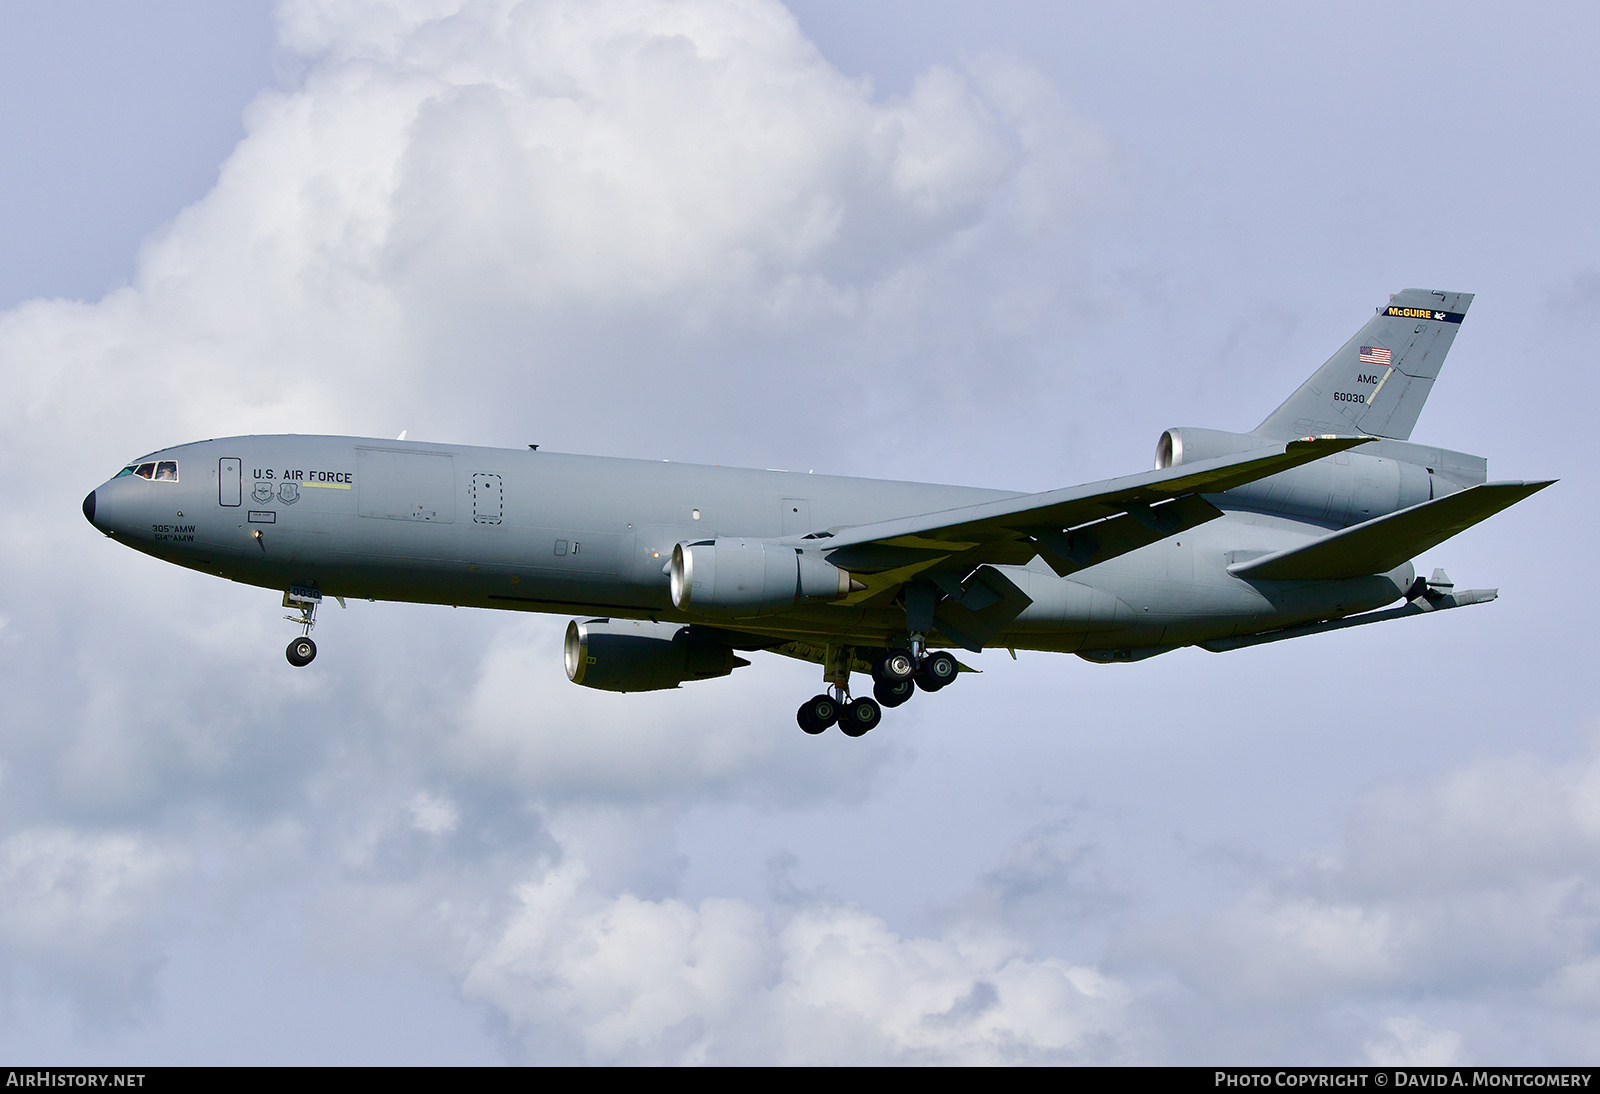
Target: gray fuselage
588 535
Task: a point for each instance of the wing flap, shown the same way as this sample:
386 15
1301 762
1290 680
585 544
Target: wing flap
1067 552
1379 545
989 600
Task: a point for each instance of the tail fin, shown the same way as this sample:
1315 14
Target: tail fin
1377 383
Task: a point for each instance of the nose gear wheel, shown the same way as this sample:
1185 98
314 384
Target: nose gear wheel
301 652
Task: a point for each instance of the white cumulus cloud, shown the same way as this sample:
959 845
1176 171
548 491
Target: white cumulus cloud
627 226
1479 888
826 983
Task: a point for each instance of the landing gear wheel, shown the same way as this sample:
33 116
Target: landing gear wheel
860 716
892 695
938 670
896 665
301 652
817 713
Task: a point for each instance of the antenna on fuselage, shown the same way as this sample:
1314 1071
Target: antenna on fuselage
403 433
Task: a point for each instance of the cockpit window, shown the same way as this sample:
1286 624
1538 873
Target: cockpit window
155 470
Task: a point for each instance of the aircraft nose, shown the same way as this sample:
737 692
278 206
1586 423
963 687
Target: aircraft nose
88 507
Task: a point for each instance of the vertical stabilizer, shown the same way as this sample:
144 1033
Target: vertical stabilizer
1377 383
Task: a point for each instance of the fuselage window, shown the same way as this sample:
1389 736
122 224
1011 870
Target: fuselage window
167 471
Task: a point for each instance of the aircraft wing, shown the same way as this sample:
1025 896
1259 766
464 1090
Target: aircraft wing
1071 528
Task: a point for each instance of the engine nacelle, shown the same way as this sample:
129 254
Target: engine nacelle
635 655
1190 445
1346 488
745 577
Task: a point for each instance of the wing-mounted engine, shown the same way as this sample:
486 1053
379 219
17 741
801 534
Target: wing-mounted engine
634 655
747 577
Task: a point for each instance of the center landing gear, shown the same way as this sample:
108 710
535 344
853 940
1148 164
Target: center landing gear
302 651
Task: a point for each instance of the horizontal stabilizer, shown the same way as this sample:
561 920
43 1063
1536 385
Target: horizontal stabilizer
1379 545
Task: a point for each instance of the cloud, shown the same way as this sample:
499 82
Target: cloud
1475 891
726 740
475 214
1317 961
1410 1042
630 226
669 982
80 915
667 230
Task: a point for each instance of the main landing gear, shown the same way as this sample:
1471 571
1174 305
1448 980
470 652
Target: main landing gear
897 674
853 716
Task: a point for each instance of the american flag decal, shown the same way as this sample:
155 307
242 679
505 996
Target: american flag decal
1376 355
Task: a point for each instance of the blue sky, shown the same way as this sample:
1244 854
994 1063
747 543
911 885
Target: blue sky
1003 247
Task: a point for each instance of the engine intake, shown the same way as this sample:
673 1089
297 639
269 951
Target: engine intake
634 655
1191 445
745 577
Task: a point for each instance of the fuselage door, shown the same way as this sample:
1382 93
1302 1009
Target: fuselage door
397 484
488 498
229 491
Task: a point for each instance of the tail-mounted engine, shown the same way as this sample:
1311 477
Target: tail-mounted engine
1190 445
745 577
1383 476
633 655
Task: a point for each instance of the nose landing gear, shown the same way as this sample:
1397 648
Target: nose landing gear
302 651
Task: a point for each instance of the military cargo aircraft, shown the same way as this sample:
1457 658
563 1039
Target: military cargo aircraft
1305 524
